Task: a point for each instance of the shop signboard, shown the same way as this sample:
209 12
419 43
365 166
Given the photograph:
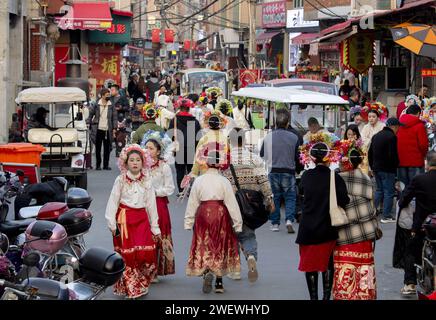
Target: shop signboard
104 63
274 14
428 72
119 32
358 52
296 23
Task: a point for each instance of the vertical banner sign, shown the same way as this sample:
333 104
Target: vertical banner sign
169 36
274 14
358 52
155 35
105 63
247 76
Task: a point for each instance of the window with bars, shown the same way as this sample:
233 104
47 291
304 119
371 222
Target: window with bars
298 4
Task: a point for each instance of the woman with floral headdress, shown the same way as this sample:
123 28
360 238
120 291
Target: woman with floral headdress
214 214
353 257
316 235
159 145
132 217
150 113
225 107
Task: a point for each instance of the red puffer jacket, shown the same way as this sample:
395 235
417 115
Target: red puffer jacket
412 142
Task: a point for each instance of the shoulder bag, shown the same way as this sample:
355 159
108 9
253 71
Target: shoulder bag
251 204
338 216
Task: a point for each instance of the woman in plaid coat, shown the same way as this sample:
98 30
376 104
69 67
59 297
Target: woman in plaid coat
354 275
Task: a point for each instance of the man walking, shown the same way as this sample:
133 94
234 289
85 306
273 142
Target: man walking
412 145
280 151
103 119
120 103
383 161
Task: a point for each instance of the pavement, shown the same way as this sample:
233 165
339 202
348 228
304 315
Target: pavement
279 278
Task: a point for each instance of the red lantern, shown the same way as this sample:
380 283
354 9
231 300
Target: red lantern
169 36
155 35
187 45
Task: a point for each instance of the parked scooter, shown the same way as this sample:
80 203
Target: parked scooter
427 269
98 268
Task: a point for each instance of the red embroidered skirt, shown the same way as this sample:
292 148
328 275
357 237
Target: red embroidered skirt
138 249
214 245
316 257
354 277
164 265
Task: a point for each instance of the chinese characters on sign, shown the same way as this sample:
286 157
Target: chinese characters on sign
428 72
358 52
117 28
104 63
274 14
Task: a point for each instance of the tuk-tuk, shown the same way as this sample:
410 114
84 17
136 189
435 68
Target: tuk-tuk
303 104
66 140
195 79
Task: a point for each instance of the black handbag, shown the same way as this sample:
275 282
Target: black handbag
251 203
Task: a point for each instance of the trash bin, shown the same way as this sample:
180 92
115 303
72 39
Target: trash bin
21 153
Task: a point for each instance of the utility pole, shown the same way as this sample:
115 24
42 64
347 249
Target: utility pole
252 38
163 4
191 48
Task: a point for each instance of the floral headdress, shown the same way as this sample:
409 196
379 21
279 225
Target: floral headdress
412 99
345 147
375 106
150 112
328 139
203 155
165 142
184 102
147 161
224 105
217 90
222 119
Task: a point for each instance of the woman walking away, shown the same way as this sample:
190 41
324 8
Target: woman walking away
316 235
132 217
354 276
159 146
212 209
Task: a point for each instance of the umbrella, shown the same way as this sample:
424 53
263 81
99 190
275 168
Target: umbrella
418 38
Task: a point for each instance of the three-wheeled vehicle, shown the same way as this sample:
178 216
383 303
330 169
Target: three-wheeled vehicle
67 141
195 79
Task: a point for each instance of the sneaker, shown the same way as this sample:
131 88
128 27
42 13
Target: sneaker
207 282
252 269
289 226
219 288
234 275
388 220
275 228
408 289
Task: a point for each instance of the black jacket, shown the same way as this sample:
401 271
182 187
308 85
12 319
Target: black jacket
187 137
315 225
423 189
383 152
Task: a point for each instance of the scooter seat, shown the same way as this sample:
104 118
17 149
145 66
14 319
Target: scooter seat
13 228
48 289
28 212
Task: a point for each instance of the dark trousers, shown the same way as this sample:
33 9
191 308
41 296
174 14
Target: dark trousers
102 139
412 255
181 171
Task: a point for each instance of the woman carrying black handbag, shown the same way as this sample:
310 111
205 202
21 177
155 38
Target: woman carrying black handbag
253 192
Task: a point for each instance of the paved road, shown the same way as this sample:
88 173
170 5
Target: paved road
279 277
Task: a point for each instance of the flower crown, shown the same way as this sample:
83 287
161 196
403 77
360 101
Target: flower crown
379 107
209 114
224 104
184 102
145 113
412 99
165 142
328 139
203 155
147 161
345 147
217 90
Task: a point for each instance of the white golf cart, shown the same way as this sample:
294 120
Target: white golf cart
67 141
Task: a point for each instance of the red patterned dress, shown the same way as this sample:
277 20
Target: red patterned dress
132 210
164 186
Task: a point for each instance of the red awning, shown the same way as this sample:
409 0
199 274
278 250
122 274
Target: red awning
86 16
266 37
122 13
304 38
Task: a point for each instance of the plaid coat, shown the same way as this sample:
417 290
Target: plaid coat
360 211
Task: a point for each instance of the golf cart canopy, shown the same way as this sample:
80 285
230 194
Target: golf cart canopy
291 96
51 95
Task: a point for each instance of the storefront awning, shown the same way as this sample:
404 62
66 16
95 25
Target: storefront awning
86 16
304 38
266 37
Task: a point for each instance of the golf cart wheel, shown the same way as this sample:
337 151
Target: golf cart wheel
81 181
